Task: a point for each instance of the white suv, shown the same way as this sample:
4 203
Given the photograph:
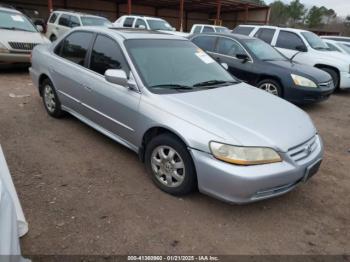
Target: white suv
203 28
62 21
304 47
18 36
148 23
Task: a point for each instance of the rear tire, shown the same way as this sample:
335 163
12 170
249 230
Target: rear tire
270 86
53 38
51 101
170 165
334 75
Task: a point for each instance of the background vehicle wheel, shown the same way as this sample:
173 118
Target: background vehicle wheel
50 99
170 165
271 86
53 38
334 76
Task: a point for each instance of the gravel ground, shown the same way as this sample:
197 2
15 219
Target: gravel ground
85 194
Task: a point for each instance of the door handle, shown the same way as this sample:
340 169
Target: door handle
87 88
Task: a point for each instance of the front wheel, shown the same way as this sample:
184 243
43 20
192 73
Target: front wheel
170 165
271 86
334 75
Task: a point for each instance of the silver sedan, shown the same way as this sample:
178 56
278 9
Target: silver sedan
192 123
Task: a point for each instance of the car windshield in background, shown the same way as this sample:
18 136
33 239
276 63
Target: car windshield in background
315 41
15 21
159 25
346 47
95 21
166 65
264 51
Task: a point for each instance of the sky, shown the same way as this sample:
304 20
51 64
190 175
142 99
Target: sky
341 7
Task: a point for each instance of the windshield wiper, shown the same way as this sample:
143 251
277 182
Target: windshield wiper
14 28
321 48
214 83
173 86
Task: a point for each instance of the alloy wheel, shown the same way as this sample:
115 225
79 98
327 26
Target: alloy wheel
49 98
270 88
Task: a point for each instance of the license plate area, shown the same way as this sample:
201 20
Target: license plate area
312 170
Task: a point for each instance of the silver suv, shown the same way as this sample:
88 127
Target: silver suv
188 119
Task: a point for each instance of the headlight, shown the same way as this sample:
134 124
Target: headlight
303 81
244 155
3 49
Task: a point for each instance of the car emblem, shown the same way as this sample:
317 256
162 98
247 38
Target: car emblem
308 149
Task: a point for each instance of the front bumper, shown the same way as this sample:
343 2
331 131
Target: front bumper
8 58
302 95
344 80
245 184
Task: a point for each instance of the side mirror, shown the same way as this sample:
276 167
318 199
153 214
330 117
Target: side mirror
243 57
40 28
117 76
142 27
301 48
224 65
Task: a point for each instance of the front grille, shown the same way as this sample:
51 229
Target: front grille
326 84
22 46
302 151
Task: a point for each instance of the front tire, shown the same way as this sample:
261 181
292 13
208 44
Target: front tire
170 165
50 99
271 86
53 38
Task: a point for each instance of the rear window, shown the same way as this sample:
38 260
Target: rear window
243 30
197 29
265 34
128 22
207 43
53 18
64 20
208 29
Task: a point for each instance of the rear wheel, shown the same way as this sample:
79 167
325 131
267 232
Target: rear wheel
53 38
51 102
333 74
271 86
170 165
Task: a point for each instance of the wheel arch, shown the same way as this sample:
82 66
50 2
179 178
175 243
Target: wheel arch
320 66
42 78
271 77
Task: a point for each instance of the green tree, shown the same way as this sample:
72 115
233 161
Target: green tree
279 13
314 17
296 11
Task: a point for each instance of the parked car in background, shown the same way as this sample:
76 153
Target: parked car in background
342 47
62 21
259 64
337 38
190 121
148 23
18 36
304 47
203 28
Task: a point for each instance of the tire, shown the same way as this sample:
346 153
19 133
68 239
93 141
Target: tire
270 86
176 175
50 99
334 76
53 38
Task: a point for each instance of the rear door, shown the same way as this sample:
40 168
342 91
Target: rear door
288 42
63 24
113 107
265 34
69 67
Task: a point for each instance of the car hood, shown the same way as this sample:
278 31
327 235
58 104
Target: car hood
21 37
175 33
243 115
334 57
304 70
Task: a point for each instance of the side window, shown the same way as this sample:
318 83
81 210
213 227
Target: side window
265 34
75 47
289 40
74 21
53 18
243 30
208 29
64 20
229 47
197 29
106 54
207 43
140 22
128 22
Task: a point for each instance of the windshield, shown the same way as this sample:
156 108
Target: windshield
15 21
95 21
168 64
346 47
264 51
159 25
315 41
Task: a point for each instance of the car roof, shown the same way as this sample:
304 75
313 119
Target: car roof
276 27
230 35
8 9
208 25
131 33
68 12
142 16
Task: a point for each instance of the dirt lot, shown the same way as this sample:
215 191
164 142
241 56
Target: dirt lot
84 194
